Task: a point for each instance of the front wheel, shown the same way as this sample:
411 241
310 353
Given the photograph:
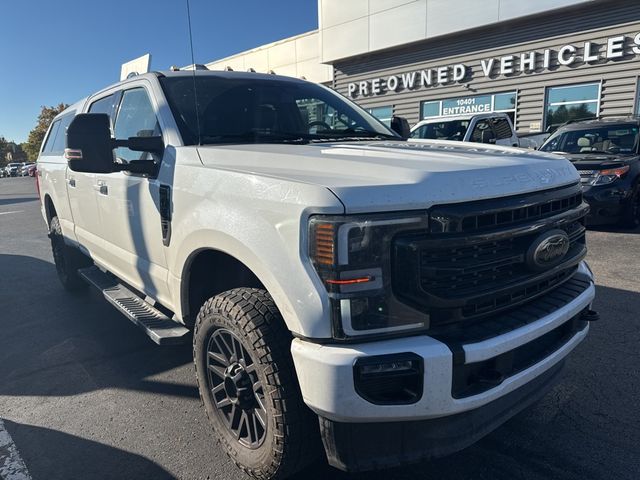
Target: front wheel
248 385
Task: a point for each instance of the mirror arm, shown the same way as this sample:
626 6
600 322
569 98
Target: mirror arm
148 167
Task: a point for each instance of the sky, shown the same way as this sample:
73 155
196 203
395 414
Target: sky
54 51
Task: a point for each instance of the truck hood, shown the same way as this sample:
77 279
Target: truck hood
395 175
592 161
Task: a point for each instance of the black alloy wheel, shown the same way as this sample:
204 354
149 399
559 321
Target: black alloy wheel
249 387
236 389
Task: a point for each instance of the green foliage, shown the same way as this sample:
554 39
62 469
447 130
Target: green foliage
3 151
36 136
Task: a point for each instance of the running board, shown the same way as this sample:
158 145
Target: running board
160 328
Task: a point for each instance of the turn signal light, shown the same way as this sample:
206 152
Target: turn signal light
351 281
325 252
72 154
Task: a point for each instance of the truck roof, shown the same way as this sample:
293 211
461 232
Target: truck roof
450 118
185 73
579 125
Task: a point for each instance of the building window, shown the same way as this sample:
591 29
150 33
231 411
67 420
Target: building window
498 102
383 114
573 102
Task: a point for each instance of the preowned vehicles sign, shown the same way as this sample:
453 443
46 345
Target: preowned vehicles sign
525 62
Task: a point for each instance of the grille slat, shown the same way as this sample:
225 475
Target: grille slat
474 264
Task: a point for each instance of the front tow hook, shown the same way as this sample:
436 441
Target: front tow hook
590 316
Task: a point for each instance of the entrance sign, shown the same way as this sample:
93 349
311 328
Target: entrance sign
461 106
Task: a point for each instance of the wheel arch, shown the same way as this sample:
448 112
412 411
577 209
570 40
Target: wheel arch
208 272
49 208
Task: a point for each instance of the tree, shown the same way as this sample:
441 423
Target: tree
36 136
4 146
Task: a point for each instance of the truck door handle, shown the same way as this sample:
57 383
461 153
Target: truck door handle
102 187
71 182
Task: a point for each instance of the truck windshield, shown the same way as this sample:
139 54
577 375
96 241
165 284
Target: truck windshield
447 130
616 139
241 109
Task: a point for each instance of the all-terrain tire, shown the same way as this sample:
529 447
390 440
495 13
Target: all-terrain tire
243 329
67 259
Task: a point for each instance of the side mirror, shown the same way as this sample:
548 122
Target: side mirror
400 125
142 144
89 145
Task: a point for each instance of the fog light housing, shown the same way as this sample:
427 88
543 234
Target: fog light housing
395 379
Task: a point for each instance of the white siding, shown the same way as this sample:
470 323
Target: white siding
354 27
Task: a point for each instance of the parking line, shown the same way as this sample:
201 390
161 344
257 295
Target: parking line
15 211
11 465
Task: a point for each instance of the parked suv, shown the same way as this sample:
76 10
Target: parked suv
606 153
345 287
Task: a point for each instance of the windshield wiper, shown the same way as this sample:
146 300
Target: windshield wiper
352 136
255 137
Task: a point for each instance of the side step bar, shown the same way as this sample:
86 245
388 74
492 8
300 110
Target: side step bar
160 328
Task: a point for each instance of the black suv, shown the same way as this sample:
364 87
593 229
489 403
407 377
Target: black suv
606 154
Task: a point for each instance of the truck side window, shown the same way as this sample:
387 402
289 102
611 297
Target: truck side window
483 133
104 105
48 144
135 118
57 139
502 128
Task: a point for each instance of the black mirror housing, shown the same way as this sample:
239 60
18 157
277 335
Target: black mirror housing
153 145
89 145
400 125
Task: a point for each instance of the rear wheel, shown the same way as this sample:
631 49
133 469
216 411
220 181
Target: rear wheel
631 218
67 259
249 387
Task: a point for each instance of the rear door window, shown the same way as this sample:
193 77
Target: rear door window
502 128
46 149
483 133
57 139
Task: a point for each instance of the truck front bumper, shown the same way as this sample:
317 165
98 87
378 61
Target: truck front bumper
327 380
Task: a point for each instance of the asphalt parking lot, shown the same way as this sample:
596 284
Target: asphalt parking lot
85 395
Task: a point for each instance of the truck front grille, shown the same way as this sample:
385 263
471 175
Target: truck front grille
464 269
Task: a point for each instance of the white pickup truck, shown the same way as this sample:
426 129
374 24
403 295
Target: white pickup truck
395 300
489 128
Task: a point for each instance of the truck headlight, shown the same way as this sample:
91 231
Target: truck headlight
352 256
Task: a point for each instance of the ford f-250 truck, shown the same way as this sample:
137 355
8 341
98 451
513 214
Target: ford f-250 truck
394 300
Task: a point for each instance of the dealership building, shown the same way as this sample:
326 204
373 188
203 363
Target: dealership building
542 62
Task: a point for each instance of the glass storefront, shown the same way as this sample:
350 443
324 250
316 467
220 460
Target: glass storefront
572 102
383 114
497 102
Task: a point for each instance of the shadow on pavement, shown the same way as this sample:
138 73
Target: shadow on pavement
12 201
56 344
53 455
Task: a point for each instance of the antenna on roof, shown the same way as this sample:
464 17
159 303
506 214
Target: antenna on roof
193 62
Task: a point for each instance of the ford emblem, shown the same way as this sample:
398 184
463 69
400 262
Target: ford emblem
548 250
